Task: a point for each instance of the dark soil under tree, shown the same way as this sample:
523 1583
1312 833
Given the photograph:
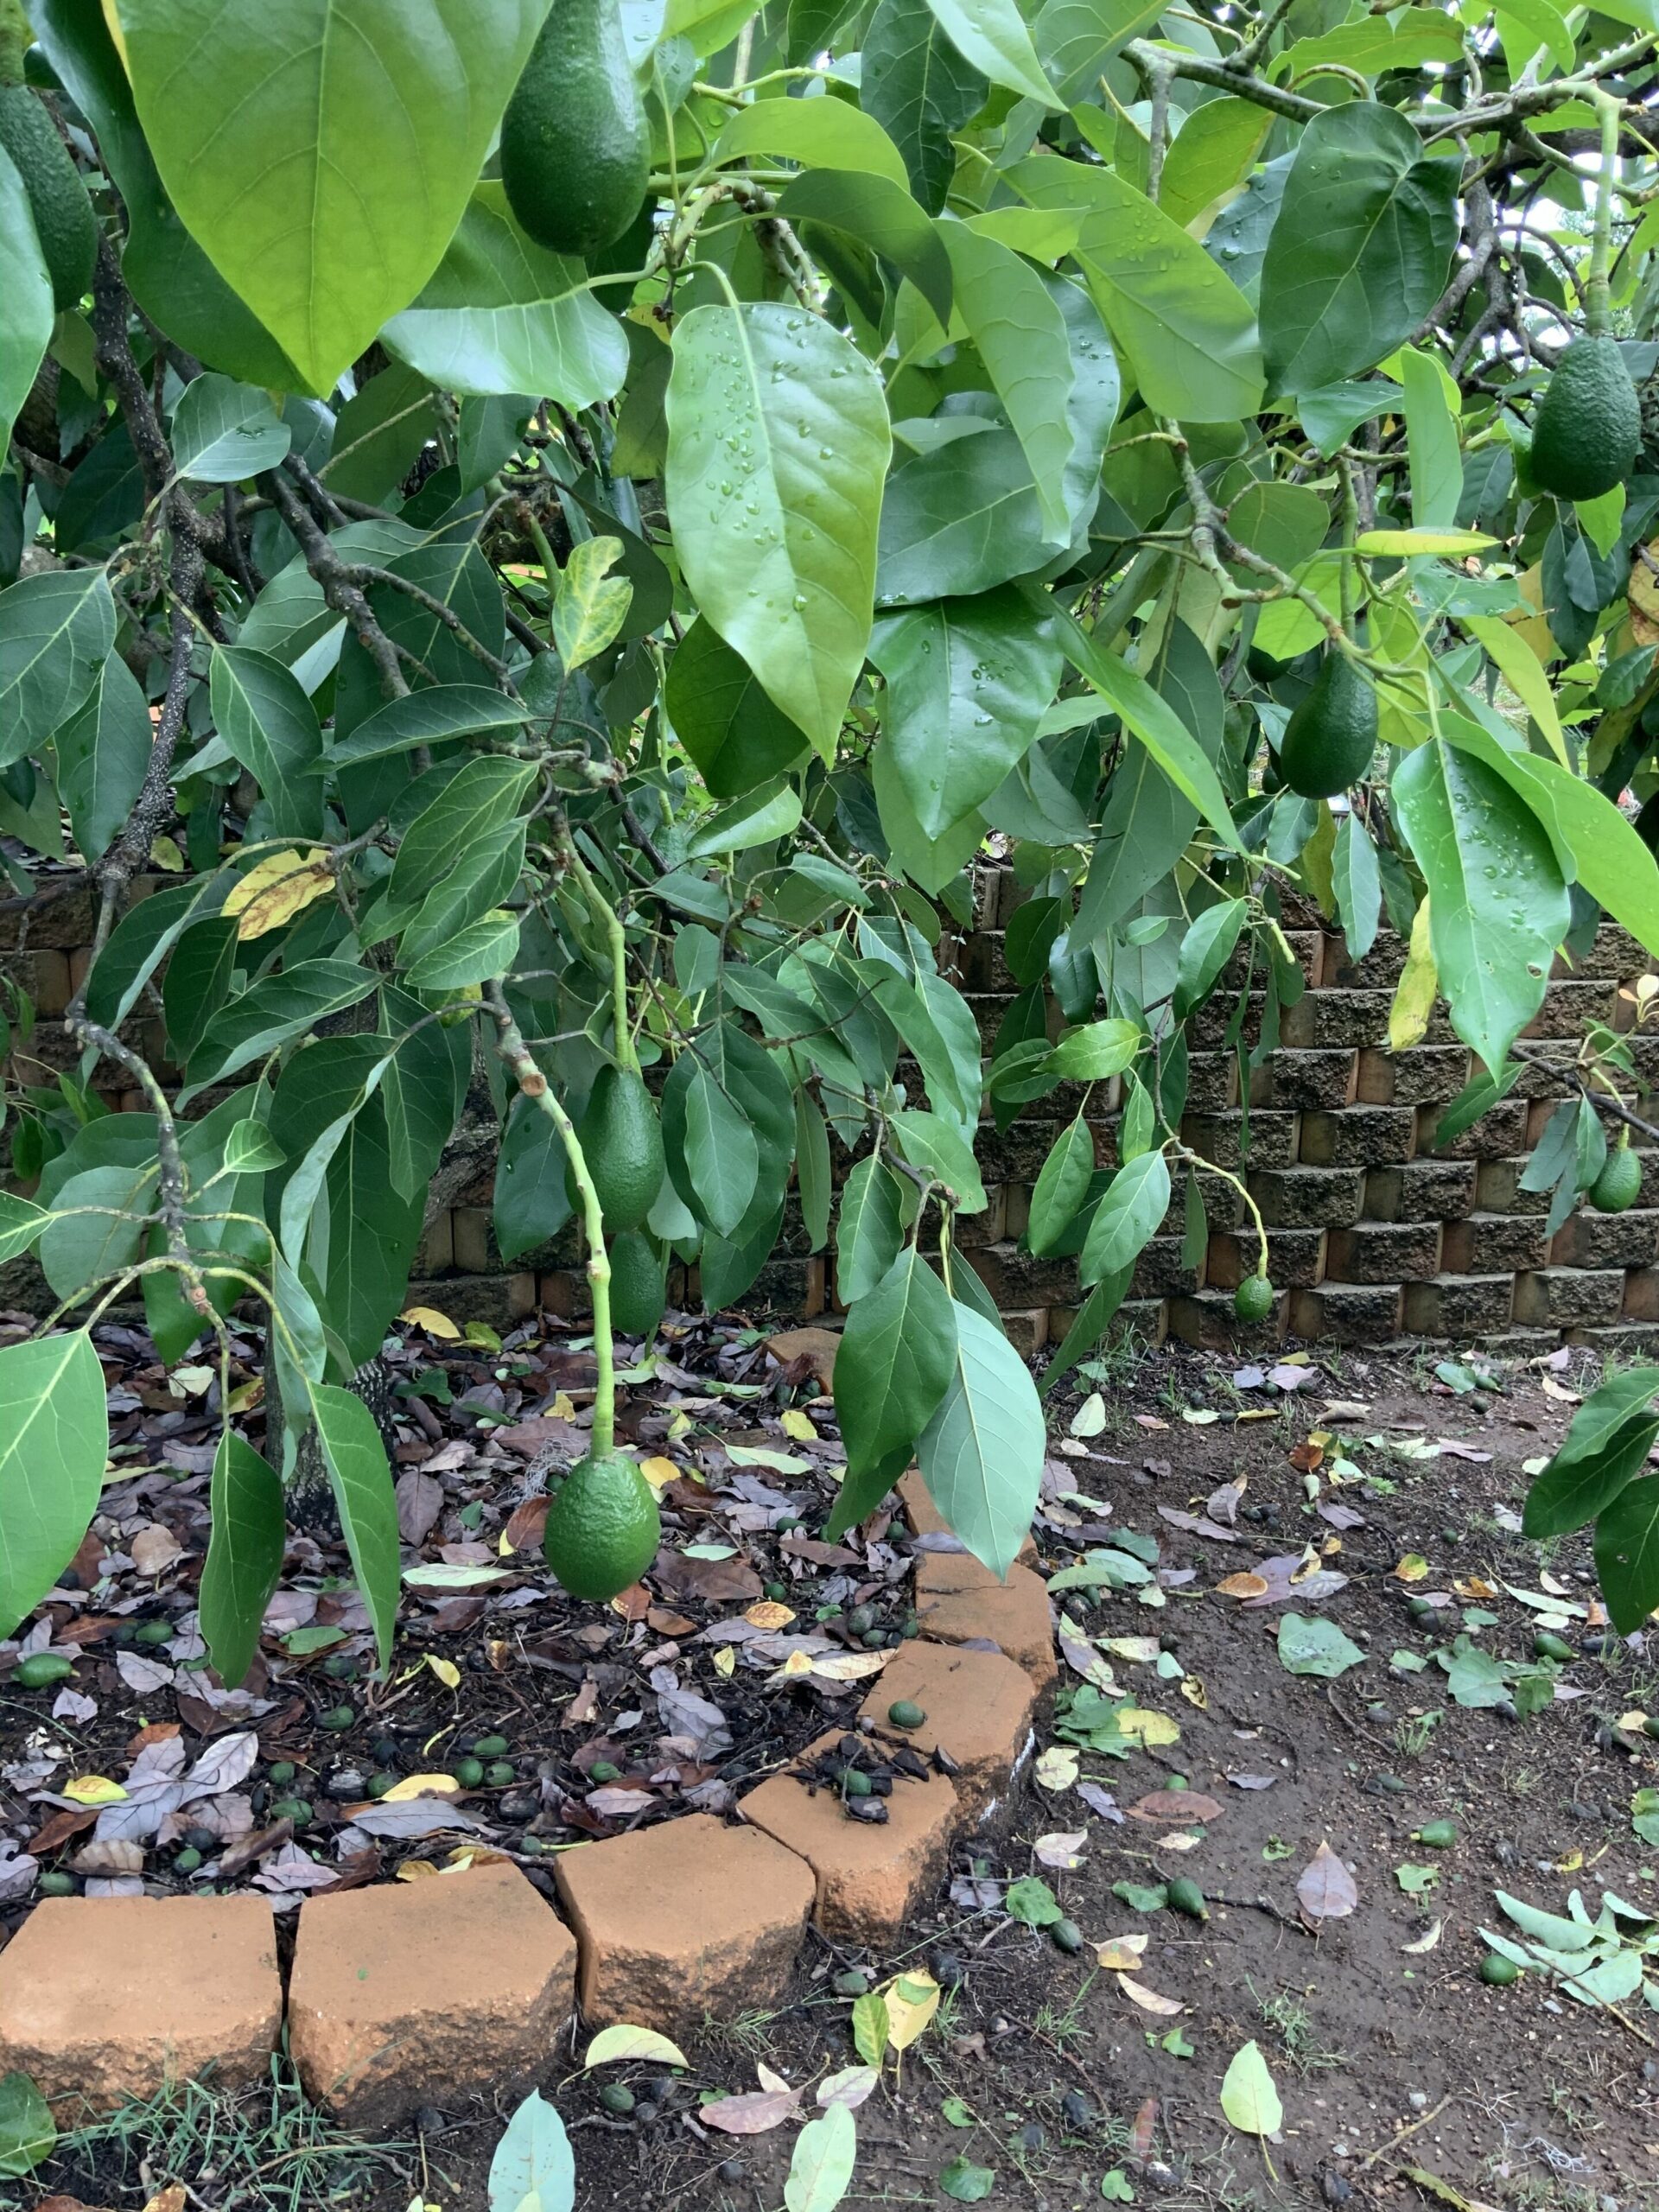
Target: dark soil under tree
1039 2067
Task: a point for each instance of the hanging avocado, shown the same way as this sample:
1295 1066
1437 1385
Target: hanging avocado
622 1142
575 147
1330 736
1588 431
638 1289
63 222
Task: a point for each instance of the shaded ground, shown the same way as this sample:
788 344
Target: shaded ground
1040 2068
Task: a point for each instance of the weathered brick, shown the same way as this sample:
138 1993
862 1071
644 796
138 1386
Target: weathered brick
1569 1297
1379 970
1361 1136
1137 1321
499 1300
1641 1296
106 1998
1236 1138
1410 1078
1588 1239
1014 1154
1016 1211
1459 1306
1497 1188
1613 952
465 1981
1223 1206
1207 1320
973 1231
1306 948
1294 1256
1212 1082
1160 1269
1017 1278
958 1600
1322 1020
1501 1131
1420 1190
1027 1328
978 1705
437 1250
1208 1026
1495 1244
1629 1339
981 965
1349 1313
1383 1251
684 1922
987 1013
1309 1197
1570 1009
1541 1072
1294 1080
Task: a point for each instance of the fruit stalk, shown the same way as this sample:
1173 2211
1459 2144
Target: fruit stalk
610 922
520 1062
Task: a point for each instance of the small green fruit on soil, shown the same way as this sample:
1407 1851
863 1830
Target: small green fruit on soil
338 1719
1065 1936
853 1983
1332 734
56 1883
283 1771
187 1860
1499 1971
854 1783
1619 1184
1186 1896
575 147
153 1632
1587 430
617 2097
905 1713
1546 1645
1253 1300
491 1747
500 1774
602 1529
40 1669
1439 1835
468 1772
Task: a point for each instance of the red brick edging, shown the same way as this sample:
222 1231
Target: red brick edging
409 1993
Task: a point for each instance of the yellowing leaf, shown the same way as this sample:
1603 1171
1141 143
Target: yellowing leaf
1151 1730
1193 1691
659 1471
417 1870
796 1424
421 1785
1406 542
94 1789
912 2000
446 1670
1149 2000
1419 984
1142 1650
1057 1768
766 1613
1243 1585
726 1660
1424 1942
164 853
434 1323
1122 1953
277 889
848 1666
1249 2102
563 1407
625 2042
1412 1568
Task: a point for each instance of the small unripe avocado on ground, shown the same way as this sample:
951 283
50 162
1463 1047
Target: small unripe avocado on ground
1439 1835
1253 1300
622 1143
575 146
1619 1184
1588 431
1499 1971
1185 1897
1065 1936
905 1713
40 1669
1331 733
63 222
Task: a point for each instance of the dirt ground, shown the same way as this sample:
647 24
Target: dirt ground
1404 2078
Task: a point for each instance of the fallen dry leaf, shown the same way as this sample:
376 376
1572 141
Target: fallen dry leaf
1178 1805
1122 1953
756 2114
1325 1888
1243 1585
1148 2000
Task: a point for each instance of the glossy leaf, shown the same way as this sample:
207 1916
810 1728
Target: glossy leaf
1127 1219
981 1454
361 1480
1021 339
268 723
54 1440
1062 1186
224 432
103 751
869 1230
919 88
778 444
992 35
244 1555
894 1365
55 633
26 327
723 717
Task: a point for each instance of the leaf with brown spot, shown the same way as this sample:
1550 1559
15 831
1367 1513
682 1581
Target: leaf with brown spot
1180 1807
1325 1888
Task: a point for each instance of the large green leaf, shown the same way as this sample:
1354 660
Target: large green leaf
503 314
778 444
1016 325
26 326
1177 319
879 214
819 134
894 1365
709 1140
992 35
967 682
244 1555
1074 39
1566 1494
981 1454
1211 156
1361 248
469 813
323 156
168 273
1058 1196
1126 1217
870 1229
55 632
268 723
21 1223
97 1229
356 1460
54 1440
1627 1554
224 431
723 717
274 1011
103 751
430 716
920 89
1497 905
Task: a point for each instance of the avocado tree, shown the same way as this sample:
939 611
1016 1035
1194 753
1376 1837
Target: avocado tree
558 542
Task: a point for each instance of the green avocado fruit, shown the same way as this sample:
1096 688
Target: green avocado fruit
63 222
1330 736
639 1288
1619 1184
621 1141
602 1529
1588 431
1253 1300
575 146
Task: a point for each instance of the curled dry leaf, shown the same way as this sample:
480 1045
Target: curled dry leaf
1424 1942
757 2113
1182 1807
1325 1888
1062 1851
1148 2000
1243 1585
1122 1953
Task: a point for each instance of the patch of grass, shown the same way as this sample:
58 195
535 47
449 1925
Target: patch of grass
1412 1736
265 2149
1287 2019
749 2033
1063 2024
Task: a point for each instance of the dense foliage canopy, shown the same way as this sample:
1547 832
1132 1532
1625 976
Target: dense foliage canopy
567 673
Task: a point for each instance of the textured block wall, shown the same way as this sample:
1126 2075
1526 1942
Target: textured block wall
1371 1233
